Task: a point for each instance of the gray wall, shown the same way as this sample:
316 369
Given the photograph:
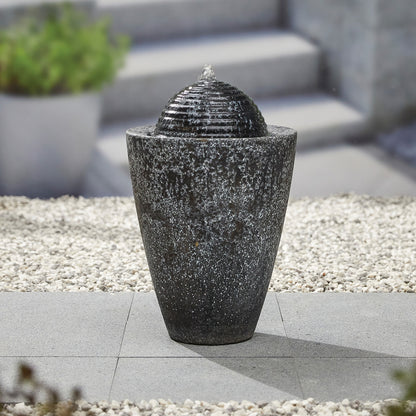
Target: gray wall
369 52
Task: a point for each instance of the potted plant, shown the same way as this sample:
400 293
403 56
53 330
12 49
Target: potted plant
51 72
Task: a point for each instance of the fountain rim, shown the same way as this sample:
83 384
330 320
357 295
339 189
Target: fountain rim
274 133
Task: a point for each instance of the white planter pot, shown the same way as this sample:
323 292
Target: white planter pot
46 143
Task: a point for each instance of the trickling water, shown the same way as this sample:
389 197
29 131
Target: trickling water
207 73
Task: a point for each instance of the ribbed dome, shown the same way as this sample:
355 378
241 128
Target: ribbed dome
211 109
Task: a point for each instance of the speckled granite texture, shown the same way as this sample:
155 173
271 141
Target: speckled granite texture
343 243
211 183
211 213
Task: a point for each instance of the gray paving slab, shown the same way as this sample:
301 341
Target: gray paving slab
62 324
336 379
146 330
146 334
93 375
350 325
329 346
214 379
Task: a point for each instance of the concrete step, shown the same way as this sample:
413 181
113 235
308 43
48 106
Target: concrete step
318 118
261 64
158 19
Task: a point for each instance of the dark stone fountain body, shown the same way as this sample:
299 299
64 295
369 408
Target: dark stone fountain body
211 183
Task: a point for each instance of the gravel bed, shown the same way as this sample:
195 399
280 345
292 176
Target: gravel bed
344 243
163 407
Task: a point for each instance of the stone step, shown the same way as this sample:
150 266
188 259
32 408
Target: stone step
161 19
261 64
318 118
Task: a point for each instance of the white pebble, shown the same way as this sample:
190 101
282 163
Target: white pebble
20 409
340 252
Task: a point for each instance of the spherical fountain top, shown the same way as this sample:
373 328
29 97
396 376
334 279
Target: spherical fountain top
211 109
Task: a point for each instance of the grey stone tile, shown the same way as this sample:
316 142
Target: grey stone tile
146 334
329 325
358 379
62 324
92 375
219 379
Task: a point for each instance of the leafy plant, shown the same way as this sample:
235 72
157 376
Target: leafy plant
407 405
62 53
29 388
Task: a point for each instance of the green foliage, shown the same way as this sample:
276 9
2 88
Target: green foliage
62 53
407 406
30 389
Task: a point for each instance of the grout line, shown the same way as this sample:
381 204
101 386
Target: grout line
58 356
280 311
295 364
291 350
208 357
303 357
121 344
112 380
326 357
125 324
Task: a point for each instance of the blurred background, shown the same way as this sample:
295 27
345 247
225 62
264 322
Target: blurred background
340 72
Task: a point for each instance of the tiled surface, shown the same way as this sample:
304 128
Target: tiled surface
350 325
334 379
328 346
62 324
205 379
93 375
